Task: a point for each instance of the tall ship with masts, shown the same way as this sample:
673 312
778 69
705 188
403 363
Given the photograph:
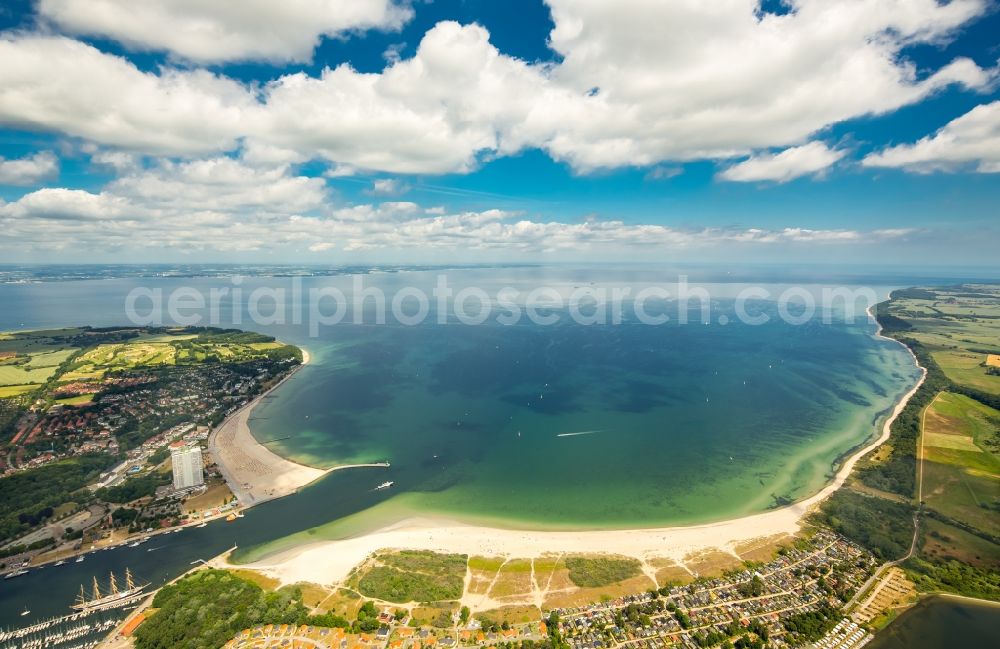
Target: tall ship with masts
113 597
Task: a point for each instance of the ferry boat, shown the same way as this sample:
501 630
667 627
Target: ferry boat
384 485
100 601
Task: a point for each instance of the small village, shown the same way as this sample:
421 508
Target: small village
803 597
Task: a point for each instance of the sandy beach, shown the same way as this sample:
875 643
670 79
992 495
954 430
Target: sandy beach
253 472
331 561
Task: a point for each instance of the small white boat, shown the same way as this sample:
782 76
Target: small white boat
203 525
384 485
25 612
60 563
79 559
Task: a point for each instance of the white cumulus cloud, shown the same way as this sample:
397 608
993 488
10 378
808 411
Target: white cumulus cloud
28 170
227 205
808 159
689 80
61 204
457 97
970 140
214 31
388 187
59 84
221 185
637 82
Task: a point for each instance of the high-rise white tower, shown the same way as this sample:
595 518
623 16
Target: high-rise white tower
186 462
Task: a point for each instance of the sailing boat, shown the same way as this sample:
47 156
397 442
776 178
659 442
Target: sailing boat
114 595
25 611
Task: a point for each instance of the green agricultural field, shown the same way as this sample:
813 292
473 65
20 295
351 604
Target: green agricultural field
961 467
23 375
959 326
37 354
50 359
77 400
967 368
940 541
92 374
953 560
17 390
35 342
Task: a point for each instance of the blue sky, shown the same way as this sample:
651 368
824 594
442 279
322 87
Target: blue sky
349 130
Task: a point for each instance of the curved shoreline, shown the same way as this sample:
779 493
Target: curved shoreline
255 473
331 561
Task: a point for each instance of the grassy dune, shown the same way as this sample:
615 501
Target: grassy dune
413 576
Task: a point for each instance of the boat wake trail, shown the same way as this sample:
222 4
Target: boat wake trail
582 432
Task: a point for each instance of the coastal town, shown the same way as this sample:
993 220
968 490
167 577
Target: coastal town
809 595
821 592
105 419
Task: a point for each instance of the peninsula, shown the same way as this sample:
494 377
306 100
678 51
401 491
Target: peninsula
87 420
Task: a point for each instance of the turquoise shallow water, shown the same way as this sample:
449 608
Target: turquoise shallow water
691 422
462 393
590 426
